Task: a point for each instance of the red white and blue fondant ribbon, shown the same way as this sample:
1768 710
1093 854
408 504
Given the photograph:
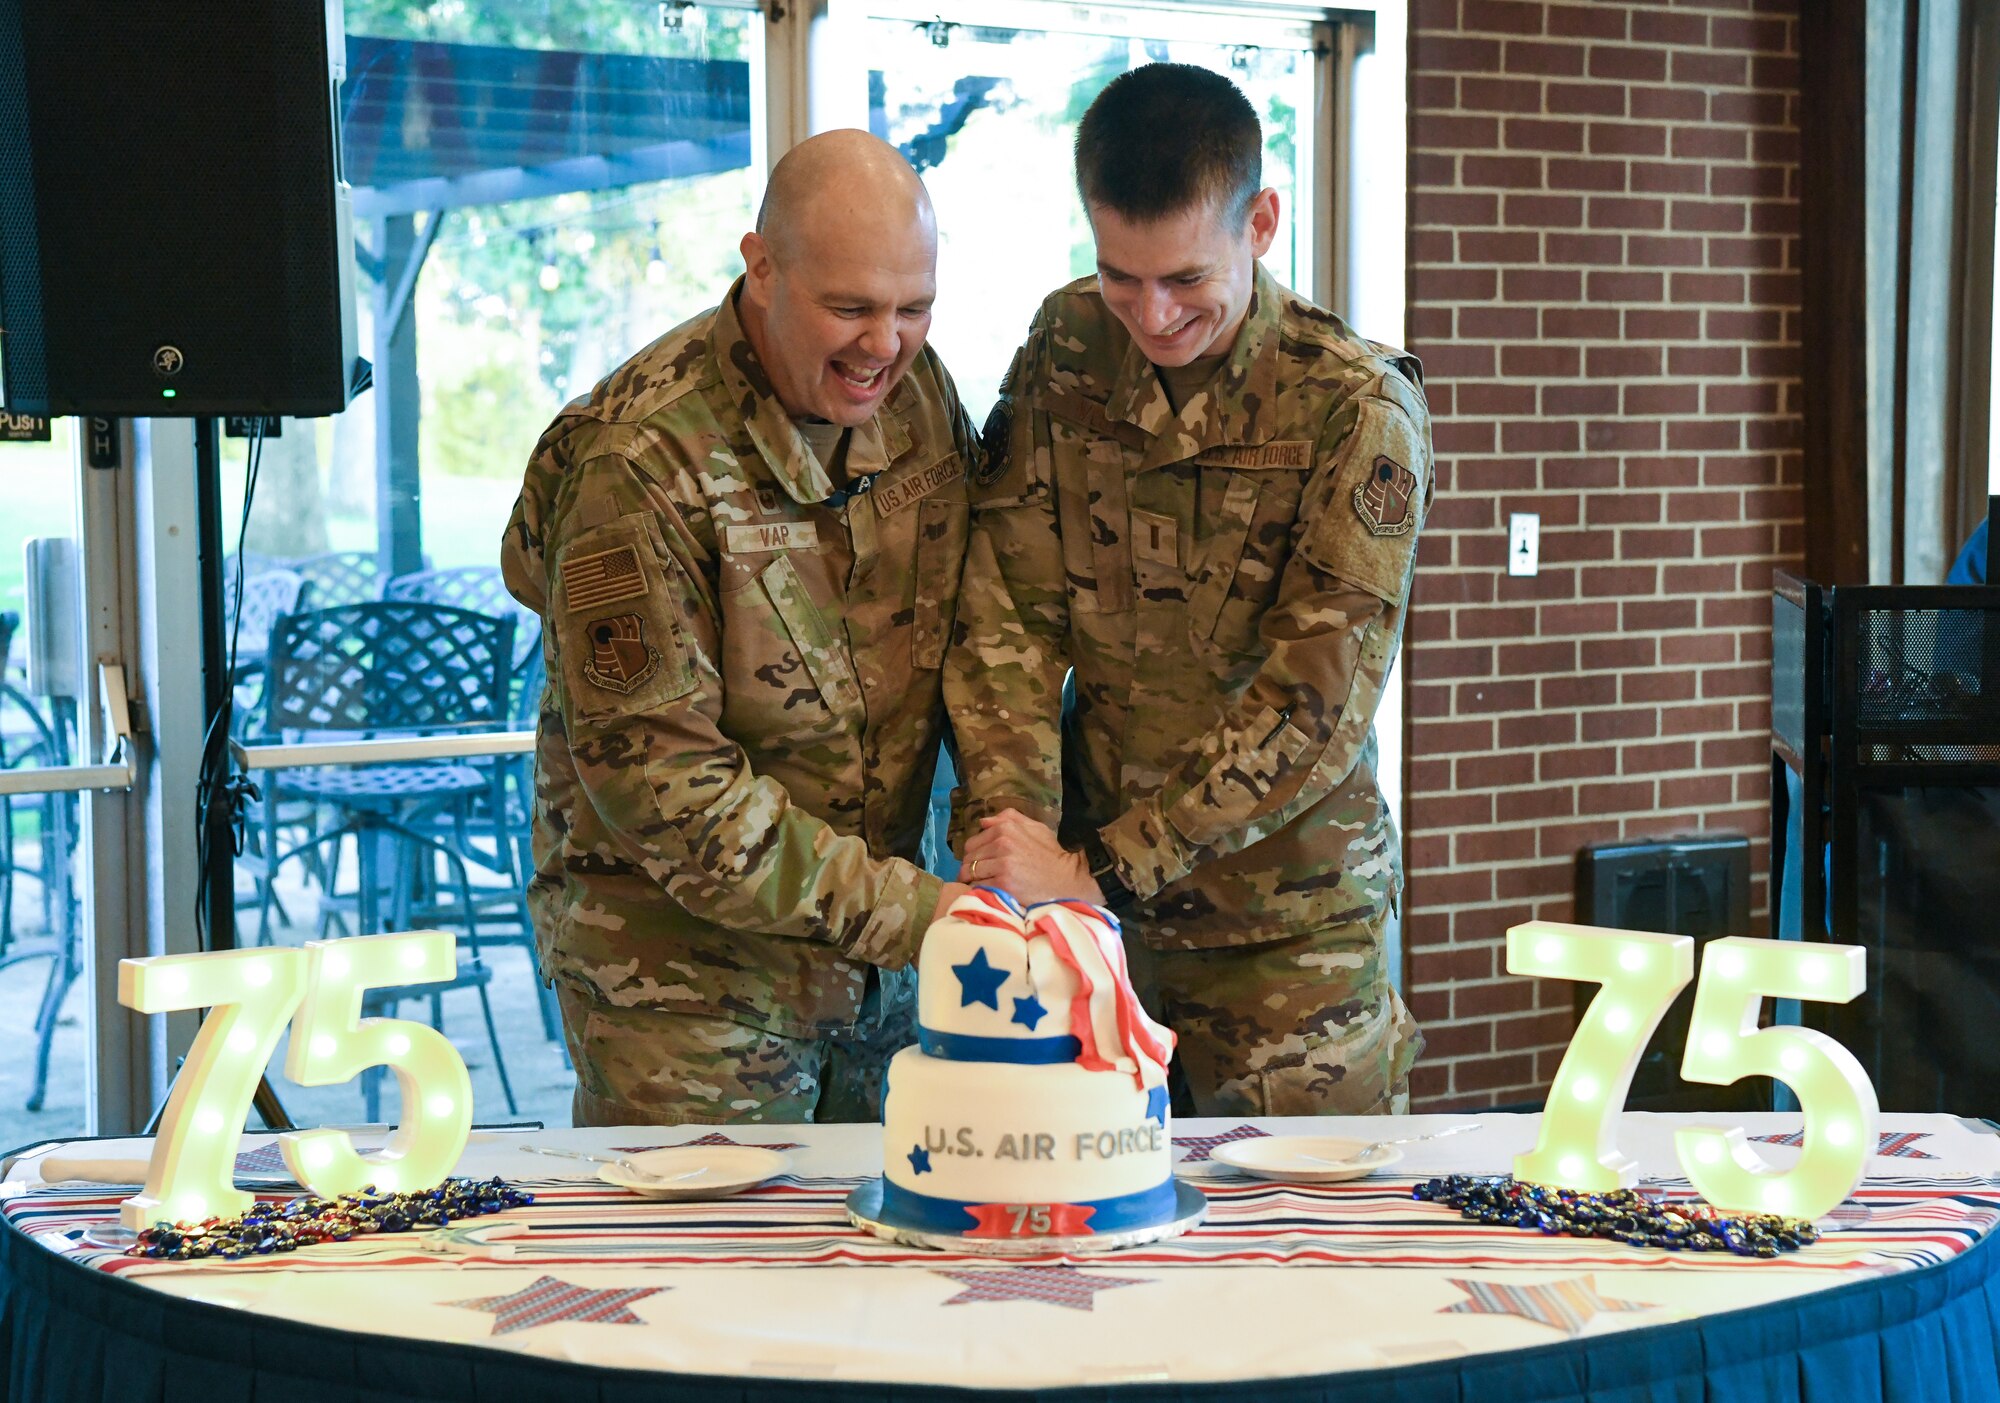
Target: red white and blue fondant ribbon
1113 1030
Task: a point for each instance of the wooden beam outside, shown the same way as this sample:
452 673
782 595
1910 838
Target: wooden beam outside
1834 283
1966 500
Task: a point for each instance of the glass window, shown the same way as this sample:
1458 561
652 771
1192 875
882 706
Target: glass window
44 1086
568 181
984 99
1993 401
541 188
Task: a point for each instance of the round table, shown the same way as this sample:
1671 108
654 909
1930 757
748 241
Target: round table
1285 1294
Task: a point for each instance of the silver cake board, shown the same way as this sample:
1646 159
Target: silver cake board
864 1210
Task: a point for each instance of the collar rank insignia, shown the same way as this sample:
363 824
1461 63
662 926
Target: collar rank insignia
620 657
1384 502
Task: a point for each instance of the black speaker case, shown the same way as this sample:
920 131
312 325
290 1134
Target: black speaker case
175 236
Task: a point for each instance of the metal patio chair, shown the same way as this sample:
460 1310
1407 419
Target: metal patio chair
30 737
394 667
270 593
503 818
341 576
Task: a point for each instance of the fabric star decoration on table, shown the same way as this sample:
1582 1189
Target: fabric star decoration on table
1895 1144
549 1301
979 982
712 1138
1198 1146
1054 1286
1565 1305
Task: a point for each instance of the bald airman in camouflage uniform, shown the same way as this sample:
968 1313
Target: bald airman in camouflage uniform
1228 576
741 722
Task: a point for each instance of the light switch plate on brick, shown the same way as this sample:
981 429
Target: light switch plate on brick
1524 543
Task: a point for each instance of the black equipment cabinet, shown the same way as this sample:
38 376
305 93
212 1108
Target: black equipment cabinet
1885 703
1697 885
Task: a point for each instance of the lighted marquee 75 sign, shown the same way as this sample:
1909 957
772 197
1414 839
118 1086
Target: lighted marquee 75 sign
1639 975
318 991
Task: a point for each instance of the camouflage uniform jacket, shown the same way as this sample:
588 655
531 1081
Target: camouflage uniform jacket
743 709
1229 585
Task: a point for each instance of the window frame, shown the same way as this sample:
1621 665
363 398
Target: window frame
139 838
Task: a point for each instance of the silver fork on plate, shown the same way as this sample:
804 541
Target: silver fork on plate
636 1171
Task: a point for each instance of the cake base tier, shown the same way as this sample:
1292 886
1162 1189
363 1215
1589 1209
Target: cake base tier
864 1210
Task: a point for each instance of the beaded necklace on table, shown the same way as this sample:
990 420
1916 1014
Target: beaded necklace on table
307 1220
1622 1215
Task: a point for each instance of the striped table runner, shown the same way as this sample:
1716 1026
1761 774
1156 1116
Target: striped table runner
1891 1224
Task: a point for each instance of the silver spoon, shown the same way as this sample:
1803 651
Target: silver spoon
636 1171
1367 1150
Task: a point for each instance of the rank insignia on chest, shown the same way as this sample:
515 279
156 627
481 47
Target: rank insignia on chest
1386 501
620 657
1155 537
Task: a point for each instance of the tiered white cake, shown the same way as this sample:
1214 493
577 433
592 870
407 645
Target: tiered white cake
1035 1103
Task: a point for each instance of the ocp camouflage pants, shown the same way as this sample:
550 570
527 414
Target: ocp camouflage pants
648 1066
1301 1027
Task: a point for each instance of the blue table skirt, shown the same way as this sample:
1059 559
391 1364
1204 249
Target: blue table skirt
80 1336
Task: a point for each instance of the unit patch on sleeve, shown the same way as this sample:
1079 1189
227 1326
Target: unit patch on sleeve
602 577
1384 502
915 486
993 444
620 656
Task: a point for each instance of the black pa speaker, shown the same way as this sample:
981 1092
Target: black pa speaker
175 237
1697 885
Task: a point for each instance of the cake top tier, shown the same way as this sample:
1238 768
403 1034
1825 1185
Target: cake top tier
1048 984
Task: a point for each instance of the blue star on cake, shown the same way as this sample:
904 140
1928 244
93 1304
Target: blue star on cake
1029 1011
1156 1104
979 982
920 1160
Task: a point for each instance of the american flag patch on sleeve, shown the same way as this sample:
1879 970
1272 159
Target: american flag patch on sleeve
602 577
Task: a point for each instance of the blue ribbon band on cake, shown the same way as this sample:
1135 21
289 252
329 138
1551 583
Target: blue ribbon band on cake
952 1215
964 1047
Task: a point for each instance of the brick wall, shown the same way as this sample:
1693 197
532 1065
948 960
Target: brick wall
1604 290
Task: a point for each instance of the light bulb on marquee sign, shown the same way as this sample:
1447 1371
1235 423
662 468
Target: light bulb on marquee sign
1725 1045
252 995
252 992
332 1043
1639 974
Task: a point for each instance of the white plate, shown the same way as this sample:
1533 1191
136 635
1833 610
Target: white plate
725 1169
1304 1159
